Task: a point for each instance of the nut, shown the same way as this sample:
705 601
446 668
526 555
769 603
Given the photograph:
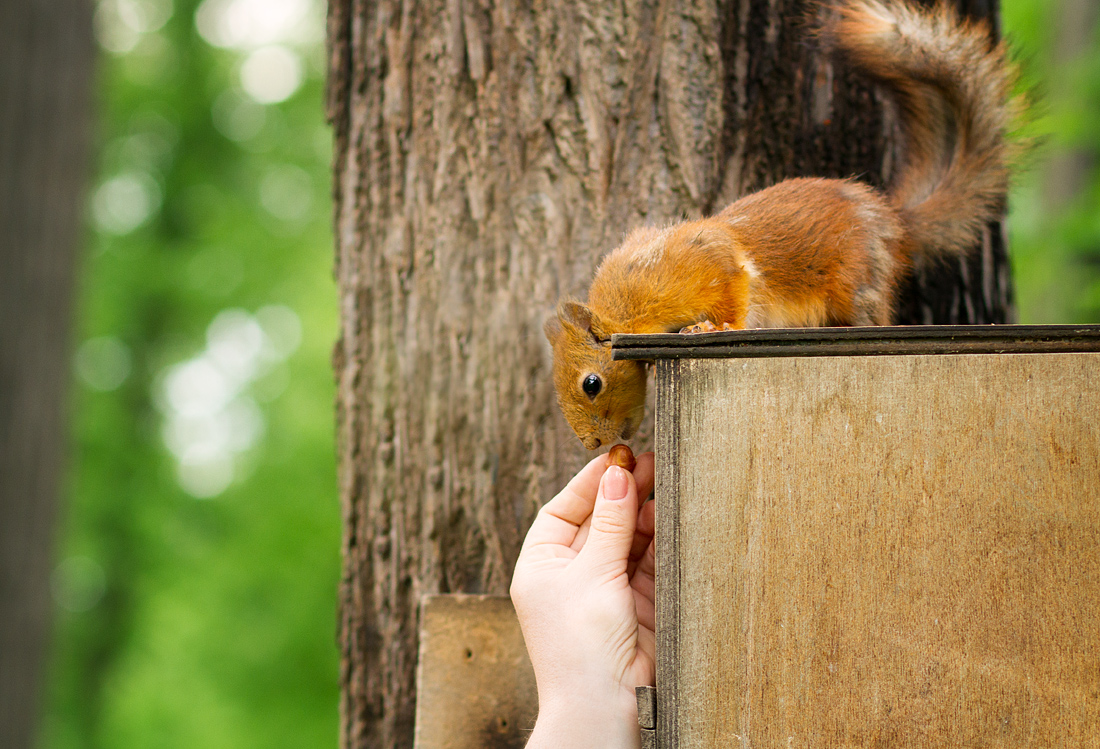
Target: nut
622 456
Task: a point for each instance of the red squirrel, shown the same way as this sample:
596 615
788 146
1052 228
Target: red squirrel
808 252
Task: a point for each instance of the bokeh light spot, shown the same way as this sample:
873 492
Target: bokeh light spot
236 117
250 24
204 479
283 329
103 363
120 24
271 74
286 192
211 420
123 203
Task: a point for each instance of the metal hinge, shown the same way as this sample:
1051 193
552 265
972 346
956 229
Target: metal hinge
647 715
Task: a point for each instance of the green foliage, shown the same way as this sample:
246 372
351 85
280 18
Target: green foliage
1054 223
197 591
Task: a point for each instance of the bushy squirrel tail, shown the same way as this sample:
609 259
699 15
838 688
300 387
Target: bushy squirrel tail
952 85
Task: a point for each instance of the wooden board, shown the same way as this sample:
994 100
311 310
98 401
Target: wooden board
888 551
475 685
874 341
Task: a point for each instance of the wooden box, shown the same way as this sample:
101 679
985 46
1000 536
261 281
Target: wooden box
877 537
475 685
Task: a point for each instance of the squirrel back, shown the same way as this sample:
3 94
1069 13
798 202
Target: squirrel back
809 252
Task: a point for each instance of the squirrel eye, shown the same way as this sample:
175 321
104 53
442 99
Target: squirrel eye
592 385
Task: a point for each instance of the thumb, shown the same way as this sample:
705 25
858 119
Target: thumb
613 519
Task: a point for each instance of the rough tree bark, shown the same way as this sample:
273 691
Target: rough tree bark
46 54
487 153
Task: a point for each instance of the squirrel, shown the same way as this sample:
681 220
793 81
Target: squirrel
808 252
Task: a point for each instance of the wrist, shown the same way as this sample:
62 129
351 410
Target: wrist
587 718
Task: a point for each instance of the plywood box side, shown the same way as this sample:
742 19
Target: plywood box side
475 684
893 551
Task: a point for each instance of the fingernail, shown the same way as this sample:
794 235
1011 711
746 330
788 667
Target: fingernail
614 483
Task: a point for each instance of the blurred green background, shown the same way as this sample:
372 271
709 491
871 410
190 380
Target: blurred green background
199 553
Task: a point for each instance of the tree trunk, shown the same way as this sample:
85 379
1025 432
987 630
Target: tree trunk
45 78
487 154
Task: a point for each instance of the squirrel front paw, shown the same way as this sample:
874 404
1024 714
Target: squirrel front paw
705 326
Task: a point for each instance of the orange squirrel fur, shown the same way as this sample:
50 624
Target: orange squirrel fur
808 252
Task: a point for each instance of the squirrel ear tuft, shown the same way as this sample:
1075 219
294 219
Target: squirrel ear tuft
552 329
575 314
599 331
584 319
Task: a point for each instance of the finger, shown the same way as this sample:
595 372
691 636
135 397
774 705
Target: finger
643 536
613 520
647 519
643 475
646 611
644 587
644 579
643 478
582 534
560 518
647 653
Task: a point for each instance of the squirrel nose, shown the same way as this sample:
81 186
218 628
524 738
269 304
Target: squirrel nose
598 443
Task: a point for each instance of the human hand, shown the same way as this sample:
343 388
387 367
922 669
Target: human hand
583 591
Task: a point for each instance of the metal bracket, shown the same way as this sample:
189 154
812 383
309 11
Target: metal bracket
647 715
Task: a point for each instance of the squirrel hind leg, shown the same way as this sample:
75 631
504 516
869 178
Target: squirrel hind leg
872 307
706 326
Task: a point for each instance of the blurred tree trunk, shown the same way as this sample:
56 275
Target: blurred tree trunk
46 55
487 154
